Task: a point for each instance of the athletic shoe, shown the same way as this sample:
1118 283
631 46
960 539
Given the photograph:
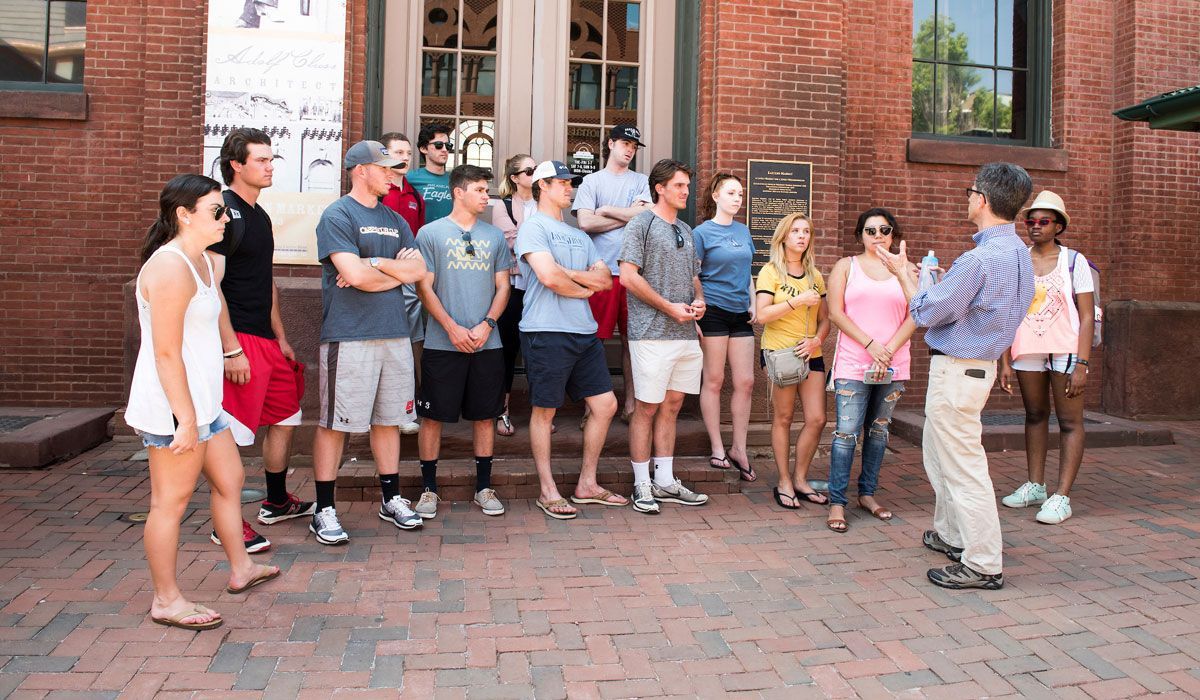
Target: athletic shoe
963 576
1055 510
410 428
328 529
1027 494
397 511
677 493
255 542
643 499
269 513
427 506
934 541
489 502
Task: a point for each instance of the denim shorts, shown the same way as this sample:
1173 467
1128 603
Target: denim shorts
221 422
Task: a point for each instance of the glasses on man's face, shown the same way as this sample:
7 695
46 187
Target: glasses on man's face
439 145
881 231
219 211
678 235
972 190
1030 223
528 172
466 236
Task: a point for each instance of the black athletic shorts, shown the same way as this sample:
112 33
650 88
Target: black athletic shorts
560 364
470 384
718 322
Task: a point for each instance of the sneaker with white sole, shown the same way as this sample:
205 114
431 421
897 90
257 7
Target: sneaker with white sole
643 499
489 502
427 505
270 513
254 542
1027 494
328 529
397 511
962 576
410 428
677 493
1056 509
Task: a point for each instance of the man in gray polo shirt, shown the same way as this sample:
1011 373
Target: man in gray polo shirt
660 270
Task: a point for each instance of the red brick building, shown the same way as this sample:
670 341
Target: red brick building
841 83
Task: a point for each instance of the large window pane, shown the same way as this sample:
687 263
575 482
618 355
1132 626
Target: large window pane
923 30
583 96
476 139
438 76
441 24
966 98
22 40
1011 37
624 31
922 98
478 85
479 24
66 42
966 31
622 103
587 29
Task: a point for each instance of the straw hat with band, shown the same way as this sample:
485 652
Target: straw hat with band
1049 201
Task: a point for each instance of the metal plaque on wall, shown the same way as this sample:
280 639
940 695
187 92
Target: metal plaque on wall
775 189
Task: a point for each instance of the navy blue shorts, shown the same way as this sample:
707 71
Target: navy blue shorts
562 364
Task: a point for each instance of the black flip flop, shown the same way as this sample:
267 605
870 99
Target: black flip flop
811 497
779 496
746 471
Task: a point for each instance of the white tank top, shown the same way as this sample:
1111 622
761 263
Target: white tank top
148 409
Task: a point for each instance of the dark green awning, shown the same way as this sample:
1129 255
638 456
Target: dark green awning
1178 110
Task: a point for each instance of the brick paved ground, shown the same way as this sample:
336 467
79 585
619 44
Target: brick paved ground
737 598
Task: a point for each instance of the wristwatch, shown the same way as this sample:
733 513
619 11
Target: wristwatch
491 323
374 262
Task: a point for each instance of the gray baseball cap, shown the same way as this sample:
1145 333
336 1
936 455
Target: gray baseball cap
370 153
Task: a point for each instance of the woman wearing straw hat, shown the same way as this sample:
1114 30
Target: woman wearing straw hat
1050 357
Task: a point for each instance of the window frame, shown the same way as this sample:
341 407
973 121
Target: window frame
43 85
1039 50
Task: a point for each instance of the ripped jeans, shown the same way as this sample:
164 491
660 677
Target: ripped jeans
860 404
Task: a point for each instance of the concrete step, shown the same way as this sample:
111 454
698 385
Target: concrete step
36 437
1005 430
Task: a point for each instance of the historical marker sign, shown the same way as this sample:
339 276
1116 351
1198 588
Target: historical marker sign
775 189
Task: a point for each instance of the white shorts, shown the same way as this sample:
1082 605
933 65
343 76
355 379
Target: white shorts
366 383
1061 363
662 365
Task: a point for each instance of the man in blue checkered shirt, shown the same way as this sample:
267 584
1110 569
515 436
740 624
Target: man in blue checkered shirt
972 316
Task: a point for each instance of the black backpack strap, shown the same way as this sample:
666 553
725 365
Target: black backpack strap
508 207
236 228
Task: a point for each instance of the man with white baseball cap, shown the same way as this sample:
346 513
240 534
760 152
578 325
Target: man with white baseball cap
562 354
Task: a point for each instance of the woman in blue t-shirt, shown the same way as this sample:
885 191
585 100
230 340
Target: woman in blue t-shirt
725 250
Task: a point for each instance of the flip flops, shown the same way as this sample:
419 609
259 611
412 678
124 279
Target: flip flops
177 620
604 498
719 463
504 426
793 501
256 581
745 471
559 503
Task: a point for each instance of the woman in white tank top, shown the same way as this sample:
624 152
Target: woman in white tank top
175 395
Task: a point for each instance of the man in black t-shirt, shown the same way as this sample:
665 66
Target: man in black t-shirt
263 381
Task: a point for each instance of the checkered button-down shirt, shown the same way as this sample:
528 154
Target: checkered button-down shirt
975 310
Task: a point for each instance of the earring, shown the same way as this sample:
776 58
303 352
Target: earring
187 220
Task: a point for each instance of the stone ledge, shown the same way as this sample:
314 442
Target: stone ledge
947 152
58 434
1100 430
44 104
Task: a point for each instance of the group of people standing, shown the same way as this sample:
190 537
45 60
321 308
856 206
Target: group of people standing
424 329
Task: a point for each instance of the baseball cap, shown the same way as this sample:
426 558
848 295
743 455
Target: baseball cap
370 153
627 132
557 170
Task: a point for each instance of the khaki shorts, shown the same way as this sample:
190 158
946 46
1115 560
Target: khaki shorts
366 383
662 365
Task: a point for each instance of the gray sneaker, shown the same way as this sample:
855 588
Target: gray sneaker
397 511
963 576
428 505
643 499
932 540
489 502
677 493
328 529
410 428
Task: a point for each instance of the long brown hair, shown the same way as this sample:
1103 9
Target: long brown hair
708 209
181 191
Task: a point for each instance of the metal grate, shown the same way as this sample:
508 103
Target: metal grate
10 423
1019 419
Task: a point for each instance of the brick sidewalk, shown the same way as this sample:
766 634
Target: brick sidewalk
736 598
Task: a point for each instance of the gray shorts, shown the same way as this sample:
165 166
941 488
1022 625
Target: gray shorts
365 383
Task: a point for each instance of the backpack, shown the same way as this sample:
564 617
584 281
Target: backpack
508 207
1098 325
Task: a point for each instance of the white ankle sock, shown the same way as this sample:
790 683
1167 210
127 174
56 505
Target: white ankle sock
663 471
641 472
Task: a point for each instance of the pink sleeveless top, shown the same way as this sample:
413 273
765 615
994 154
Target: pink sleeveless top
879 308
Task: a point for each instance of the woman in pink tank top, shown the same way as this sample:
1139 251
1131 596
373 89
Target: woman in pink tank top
868 307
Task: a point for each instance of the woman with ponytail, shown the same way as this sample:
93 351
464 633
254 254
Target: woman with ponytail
175 395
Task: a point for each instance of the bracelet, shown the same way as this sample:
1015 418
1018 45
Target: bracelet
872 340
233 354
789 303
1082 362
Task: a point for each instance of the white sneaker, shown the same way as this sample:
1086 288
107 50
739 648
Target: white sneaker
643 499
428 505
396 511
410 428
1027 494
1056 509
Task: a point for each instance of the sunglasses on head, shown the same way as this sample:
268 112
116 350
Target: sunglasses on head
1043 222
678 235
881 231
470 250
439 145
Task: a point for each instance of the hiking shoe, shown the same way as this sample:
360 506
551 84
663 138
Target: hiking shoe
255 542
328 529
1055 510
1027 494
677 493
427 506
489 502
397 511
411 428
269 513
643 499
963 576
934 541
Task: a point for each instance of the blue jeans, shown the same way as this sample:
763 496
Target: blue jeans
203 433
860 404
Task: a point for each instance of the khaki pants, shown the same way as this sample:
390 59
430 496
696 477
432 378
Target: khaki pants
965 510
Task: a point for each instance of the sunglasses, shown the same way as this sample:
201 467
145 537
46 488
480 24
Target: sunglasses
678 235
466 236
526 171
1030 223
881 231
219 211
439 145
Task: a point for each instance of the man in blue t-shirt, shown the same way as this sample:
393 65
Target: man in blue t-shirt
366 368
558 336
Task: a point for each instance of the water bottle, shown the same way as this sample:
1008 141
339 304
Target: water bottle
928 276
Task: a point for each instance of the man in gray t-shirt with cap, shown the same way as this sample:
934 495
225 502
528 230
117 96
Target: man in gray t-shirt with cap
366 368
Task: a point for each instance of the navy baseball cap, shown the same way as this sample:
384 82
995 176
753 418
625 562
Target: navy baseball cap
557 170
370 153
626 132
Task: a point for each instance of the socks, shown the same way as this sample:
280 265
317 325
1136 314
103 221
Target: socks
389 484
663 471
483 473
641 472
429 474
277 487
324 494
